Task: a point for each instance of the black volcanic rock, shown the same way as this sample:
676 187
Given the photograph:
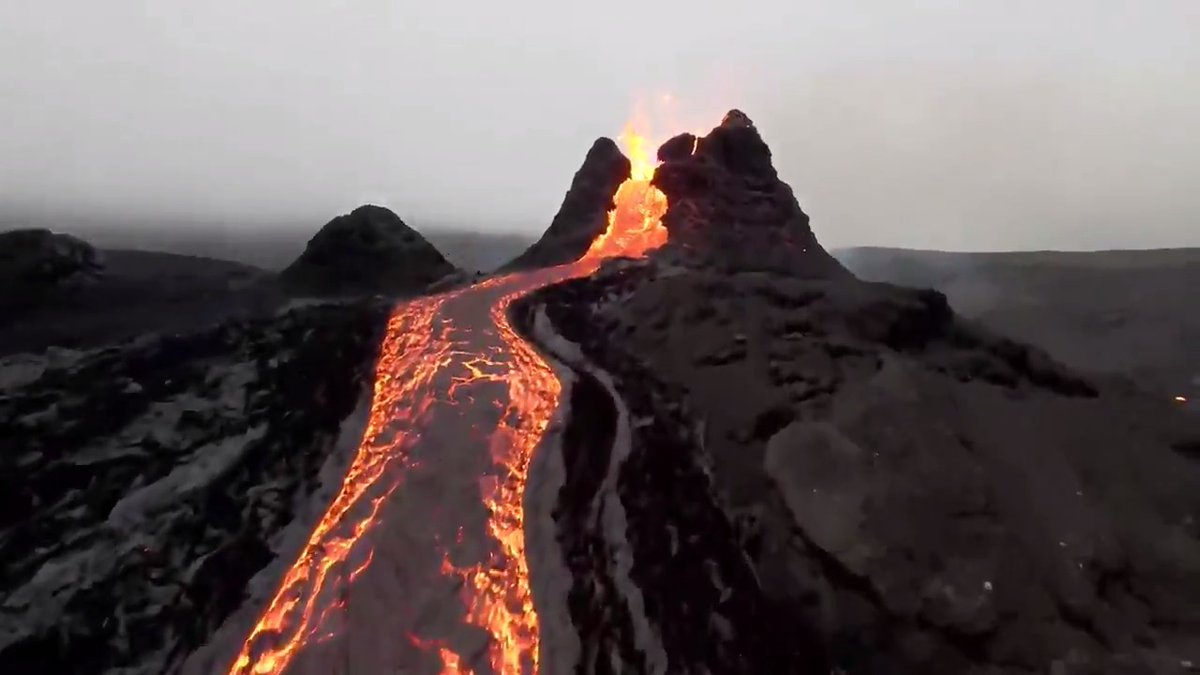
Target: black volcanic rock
369 250
143 486
35 262
583 214
729 211
832 475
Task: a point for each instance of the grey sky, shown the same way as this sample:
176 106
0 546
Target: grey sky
963 125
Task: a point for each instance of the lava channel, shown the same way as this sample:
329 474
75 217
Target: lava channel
410 356
498 596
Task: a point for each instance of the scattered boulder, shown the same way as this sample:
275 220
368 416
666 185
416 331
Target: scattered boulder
370 250
583 215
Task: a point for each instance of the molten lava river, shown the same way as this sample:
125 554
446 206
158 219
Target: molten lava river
419 563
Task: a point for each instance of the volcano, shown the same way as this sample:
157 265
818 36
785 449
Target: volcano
674 436
818 472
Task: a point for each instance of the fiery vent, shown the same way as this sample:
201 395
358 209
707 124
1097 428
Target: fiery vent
635 222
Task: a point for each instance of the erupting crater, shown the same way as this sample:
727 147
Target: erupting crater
635 222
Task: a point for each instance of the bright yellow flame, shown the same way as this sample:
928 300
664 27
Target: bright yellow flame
635 222
637 149
1181 399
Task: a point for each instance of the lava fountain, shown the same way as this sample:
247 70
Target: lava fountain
422 341
635 222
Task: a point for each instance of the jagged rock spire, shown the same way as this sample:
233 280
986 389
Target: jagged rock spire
583 214
728 209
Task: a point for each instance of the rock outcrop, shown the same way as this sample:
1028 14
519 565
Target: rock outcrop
583 215
368 251
38 262
144 486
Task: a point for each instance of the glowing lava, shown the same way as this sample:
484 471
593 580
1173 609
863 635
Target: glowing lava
635 222
498 596
496 591
409 358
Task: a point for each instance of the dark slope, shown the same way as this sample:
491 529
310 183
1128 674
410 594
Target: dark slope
829 469
583 214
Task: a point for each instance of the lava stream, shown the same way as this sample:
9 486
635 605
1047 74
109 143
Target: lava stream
496 590
498 594
409 358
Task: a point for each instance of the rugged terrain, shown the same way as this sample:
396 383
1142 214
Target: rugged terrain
878 490
59 291
132 293
144 485
1133 313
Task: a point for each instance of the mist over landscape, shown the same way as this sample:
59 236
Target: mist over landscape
924 125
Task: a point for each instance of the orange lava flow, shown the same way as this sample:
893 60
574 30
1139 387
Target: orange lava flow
409 358
496 591
498 596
